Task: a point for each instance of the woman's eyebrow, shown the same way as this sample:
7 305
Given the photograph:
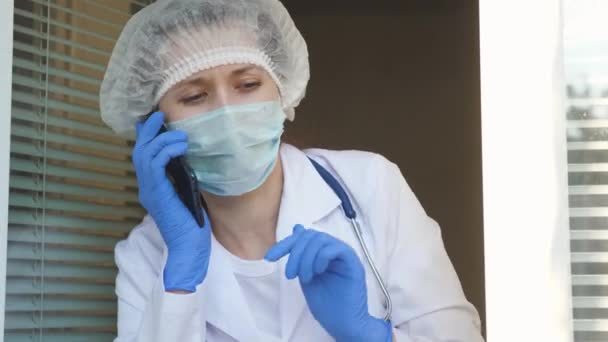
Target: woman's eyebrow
245 69
190 82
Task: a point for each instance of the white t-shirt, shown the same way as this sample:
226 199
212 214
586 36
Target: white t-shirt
260 283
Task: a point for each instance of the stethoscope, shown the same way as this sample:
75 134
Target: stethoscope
351 215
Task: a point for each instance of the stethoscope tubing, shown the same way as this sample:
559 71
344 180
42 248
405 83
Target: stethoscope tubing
351 215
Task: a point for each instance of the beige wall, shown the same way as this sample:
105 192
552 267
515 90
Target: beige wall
406 86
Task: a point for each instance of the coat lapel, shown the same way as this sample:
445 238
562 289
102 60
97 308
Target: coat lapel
226 307
306 199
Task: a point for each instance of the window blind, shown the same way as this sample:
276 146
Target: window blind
73 191
586 70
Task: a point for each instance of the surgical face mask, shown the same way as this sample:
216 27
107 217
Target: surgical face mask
233 150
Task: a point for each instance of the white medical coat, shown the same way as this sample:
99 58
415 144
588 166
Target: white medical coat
428 301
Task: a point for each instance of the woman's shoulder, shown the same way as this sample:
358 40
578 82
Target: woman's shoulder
143 242
371 177
355 164
139 259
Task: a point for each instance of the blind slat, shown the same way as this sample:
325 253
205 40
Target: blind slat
590 257
28 183
106 180
61 155
33 303
588 212
29 131
100 131
25 268
42 53
28 201
52 320
591 325
54 104
118 27
140 3
107 8
66 42
597 101
52 71
51 336
34 235
57 23
39 85
597 123
590 302
589 235
588 167
588 145
588 189
18 286
27 251
25 217
583 280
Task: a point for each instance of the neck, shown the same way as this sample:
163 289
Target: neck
246 225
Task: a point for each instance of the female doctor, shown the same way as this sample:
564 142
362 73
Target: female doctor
277 259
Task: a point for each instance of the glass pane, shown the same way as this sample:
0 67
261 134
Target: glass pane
586 73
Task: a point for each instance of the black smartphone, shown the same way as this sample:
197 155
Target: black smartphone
185 182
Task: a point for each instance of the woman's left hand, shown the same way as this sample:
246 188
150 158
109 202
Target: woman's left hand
333 281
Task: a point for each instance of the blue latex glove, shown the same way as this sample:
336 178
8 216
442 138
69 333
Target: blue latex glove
333 281
188 245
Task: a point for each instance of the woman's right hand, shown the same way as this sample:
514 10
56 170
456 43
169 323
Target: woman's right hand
188 245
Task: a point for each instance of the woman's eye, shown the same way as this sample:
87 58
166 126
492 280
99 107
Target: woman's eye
251 85
193 98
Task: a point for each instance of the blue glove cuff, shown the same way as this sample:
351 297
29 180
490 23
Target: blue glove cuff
377 330
389 329
178 284
183 273
382 331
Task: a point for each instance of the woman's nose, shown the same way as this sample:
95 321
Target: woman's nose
224 97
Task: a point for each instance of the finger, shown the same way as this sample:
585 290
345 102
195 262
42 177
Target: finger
159 163
295 256
136 150
298 228
143 155
206 219
283 247
306 267
165 139
150 128
330 252
138 126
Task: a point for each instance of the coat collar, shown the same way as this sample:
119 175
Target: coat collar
306 199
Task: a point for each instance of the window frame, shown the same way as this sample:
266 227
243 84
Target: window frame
6 68
525 175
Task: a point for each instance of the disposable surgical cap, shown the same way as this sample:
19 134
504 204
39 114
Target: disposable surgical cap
170 40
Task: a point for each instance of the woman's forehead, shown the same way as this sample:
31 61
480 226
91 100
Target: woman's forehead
226 70
238 68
